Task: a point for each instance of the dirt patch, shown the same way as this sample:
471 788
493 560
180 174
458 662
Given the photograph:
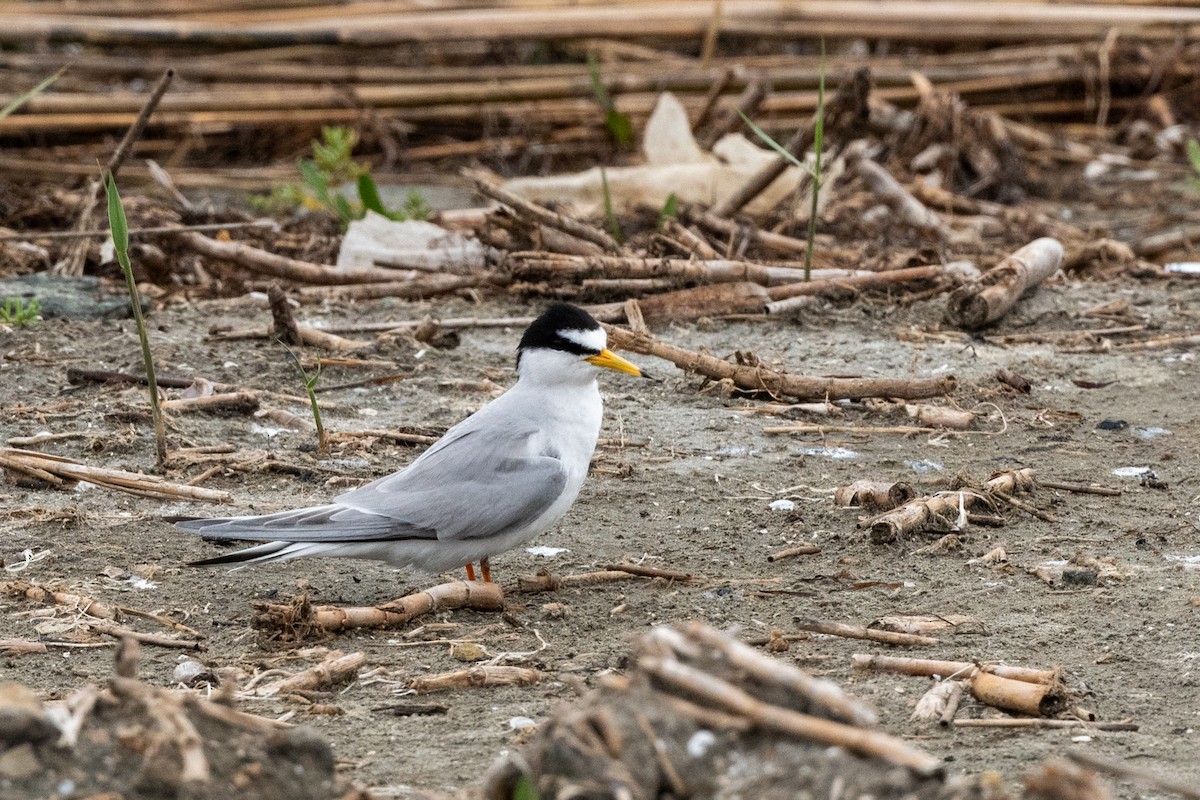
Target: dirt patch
683 480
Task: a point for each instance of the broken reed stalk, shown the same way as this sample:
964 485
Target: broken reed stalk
482 675
820 692
67 600
870 634
720 694
941 508
302 617
120 235
847 108
337 668
60 471
537 214
929 668
759 378
986 300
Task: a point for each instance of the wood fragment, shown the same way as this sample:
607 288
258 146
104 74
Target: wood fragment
726 697
68 600
235 402
870 634
302 617
650 572
72 263
283 321
936 700
820 692
903 665
60 470
121 632
945 508
1080 488
1138 776
1041 722
778 383
983 302
1022 697
480 676
335 669
543 581
277 266
792 552
543 216
882 495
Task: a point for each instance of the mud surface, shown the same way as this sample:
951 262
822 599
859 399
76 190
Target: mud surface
683 481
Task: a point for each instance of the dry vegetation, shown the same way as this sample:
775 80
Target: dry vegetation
971 153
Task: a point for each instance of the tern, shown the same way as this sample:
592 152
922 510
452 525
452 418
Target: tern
493 482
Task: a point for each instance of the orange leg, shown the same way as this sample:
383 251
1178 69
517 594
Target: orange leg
470 572
486 569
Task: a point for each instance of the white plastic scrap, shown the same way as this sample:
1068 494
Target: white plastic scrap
675 164
1133 472
376 240
548 552
783 505
829 452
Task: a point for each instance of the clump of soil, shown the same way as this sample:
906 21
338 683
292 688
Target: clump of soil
139 742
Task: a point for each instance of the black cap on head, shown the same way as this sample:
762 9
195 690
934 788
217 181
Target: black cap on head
547 331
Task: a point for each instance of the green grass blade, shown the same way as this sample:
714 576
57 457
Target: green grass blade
610 216
119 226
117 222
670 210
368 193
32 93
1193 154
774 145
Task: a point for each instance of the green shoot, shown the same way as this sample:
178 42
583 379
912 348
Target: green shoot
16 311
818 145
525 790
32 93
619 125
815 171
610 216
119 226
1193 154
310 387
322 176
670 210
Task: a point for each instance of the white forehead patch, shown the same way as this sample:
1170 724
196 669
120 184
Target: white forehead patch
592 339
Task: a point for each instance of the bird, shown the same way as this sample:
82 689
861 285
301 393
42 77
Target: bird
494 481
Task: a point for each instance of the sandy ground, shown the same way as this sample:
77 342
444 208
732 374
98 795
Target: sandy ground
688 489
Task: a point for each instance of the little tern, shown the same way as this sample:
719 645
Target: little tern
494 481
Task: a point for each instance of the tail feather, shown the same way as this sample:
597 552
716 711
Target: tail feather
269 551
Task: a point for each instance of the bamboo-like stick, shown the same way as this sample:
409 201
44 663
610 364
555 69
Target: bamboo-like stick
456 594
725 696
986 300
581 230
482 675
41 594
870 634
929 668
779 383
58 469
337 668
818 691
678 20
278 266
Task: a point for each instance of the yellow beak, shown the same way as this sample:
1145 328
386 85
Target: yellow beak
610 360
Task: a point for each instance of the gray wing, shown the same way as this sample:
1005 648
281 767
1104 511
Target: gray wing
478 483
473 483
